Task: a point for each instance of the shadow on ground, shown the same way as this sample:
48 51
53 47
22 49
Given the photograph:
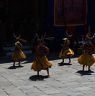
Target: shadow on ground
12 67
81 72
36 77
62 64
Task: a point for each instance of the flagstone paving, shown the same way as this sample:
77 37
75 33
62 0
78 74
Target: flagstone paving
64 80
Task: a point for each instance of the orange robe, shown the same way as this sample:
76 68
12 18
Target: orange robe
18 54
41 61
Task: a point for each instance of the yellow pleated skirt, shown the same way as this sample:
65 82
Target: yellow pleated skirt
86 59
18 56
41 63
66 53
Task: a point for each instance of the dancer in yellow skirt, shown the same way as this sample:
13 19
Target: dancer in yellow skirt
66 52
18 55
87 59
41 61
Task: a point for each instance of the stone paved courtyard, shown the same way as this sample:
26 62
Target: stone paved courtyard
64 80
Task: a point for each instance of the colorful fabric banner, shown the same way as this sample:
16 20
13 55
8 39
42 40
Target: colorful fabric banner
70 12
